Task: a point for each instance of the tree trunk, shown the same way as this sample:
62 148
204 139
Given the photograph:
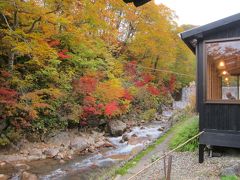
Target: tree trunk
155 64
11 58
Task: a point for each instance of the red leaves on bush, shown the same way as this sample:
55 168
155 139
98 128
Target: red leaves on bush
127 95
85 85
111 108
153 90
100 106
62 54
131 68
5 74
139 83
92 110
147 77
7 96
172 83
90 107
54 43
89 110
164 90
89 100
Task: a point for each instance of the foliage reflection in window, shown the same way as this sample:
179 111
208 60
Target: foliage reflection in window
223 70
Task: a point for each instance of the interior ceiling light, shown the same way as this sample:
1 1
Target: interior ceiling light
221 64
226 79
224 72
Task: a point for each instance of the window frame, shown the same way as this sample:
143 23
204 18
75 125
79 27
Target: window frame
205 74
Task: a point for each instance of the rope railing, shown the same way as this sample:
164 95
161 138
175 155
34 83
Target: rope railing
166 154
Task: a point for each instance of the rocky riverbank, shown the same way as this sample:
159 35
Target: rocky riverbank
71 152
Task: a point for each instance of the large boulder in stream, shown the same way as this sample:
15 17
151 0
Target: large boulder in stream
116 127
79 144
61 139
51 152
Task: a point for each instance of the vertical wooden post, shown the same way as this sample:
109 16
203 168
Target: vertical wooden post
169 168
164 167
201 153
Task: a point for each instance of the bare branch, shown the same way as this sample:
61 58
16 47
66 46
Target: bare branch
9 27
40 18
33 24
53 11
4 17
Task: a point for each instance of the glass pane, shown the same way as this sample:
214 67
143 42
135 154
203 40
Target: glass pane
223 70
230 88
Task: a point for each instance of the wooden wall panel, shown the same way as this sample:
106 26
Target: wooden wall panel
215 116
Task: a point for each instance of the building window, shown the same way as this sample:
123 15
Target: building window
223 70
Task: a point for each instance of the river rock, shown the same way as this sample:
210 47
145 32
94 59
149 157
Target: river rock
108 144
121 141
79 144
99 143
61 139
4 177
134 135
231 171
28 176
2 163
35 152
60 156
116 127
125 137
51 152
61 161
91 149
161 129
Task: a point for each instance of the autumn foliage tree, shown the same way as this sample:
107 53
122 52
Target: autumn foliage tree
67 61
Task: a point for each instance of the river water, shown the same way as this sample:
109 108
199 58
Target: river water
94 165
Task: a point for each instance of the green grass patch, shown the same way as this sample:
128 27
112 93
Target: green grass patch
189 129
124 169
230 178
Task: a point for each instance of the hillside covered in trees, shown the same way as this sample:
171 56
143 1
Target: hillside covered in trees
65 63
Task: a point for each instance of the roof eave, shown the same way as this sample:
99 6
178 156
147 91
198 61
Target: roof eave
210 26
190 46
198 32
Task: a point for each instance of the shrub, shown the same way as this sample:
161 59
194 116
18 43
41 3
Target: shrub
4 140
148 115
186 132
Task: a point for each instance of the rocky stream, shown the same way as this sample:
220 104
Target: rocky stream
76 166
75 155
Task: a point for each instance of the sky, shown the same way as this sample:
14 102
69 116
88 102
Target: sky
200 12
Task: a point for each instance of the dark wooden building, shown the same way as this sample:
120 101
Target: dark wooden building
217 48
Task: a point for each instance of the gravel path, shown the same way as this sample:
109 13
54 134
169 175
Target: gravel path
185 165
